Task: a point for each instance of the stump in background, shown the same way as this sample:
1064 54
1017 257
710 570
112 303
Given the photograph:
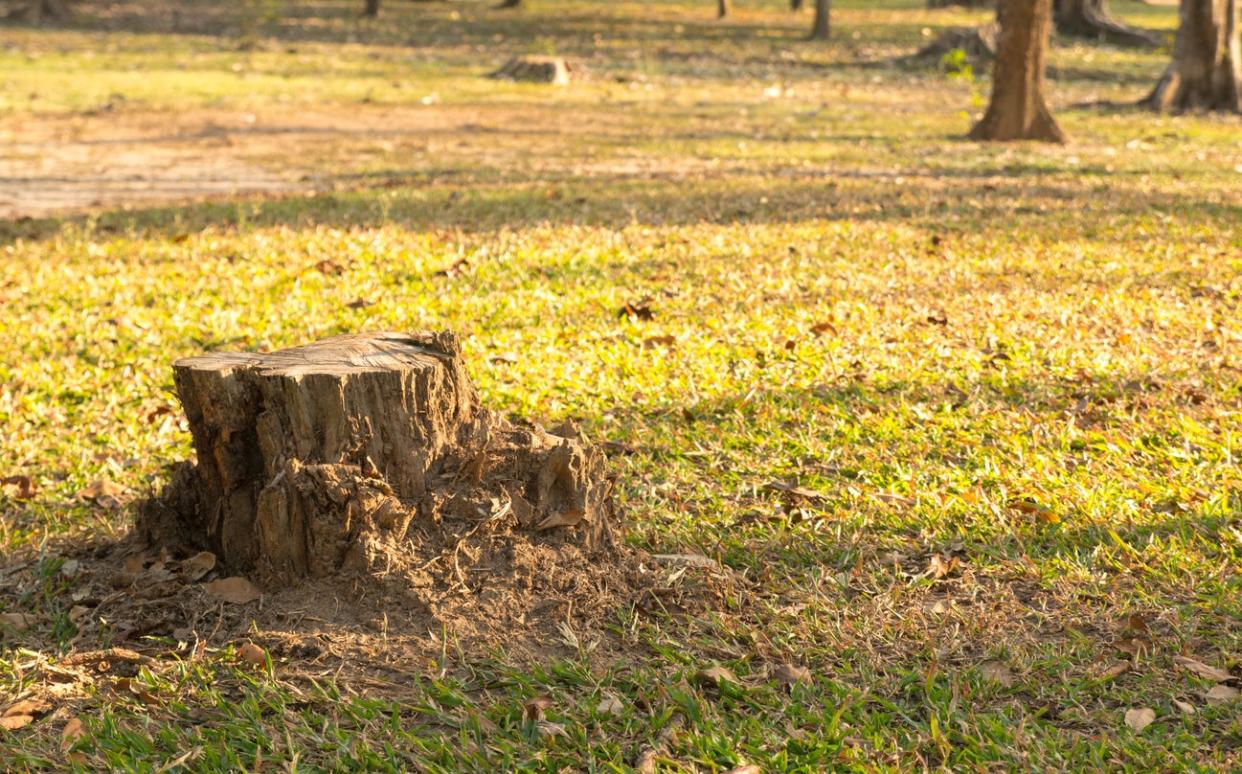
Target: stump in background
322 459
535 69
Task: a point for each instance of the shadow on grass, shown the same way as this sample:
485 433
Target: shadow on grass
482 201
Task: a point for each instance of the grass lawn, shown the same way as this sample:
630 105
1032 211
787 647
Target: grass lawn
1011 375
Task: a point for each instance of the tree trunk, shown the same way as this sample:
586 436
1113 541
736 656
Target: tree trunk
722 8
1206 71
372 8
1090 18
795 5
820 27
38 10
1017 110
331 458
510 4
960 3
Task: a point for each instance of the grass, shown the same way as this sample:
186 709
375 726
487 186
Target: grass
1011 372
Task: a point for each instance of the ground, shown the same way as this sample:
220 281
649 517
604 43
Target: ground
961 422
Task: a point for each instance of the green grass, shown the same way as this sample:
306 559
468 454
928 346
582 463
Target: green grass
1025 358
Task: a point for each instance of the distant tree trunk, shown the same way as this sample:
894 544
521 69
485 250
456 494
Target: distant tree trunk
372 8
722 8
1017 110
1206 71
510 4
38 10
1090 18
960 3
795 5
820 27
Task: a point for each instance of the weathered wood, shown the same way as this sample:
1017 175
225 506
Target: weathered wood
318 459
535 69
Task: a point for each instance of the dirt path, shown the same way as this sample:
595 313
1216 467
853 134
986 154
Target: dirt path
51 165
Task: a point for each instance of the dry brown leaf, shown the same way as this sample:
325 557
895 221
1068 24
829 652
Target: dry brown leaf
104 493
199 565
1222 694
715 676
748 768
1140 718
563 519
14 722
1203 670
78 612
821 328
235 590
638 311
16 621
795 490
940 566
72 732
1186 708
24 707
534 709
1116 669
549 730
18 487
610 705
252 654
791 674
997 672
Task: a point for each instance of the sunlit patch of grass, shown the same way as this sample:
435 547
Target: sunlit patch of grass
1014 364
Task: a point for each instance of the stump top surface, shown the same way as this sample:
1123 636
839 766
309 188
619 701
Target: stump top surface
347 354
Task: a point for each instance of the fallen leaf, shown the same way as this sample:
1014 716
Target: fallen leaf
639 311
235 590
72 732
1140 718
938 318
104 493
504 357
549 730
659 341
199 565
997 672
610 705
940 566
791 674
1116 669
748 768
1032 508
24 707
360 303
1203 670
1222 694
16 621
715 676
1187 709
252 654
563 519
18 487
534 709
14 722
78 612
821 328
795 490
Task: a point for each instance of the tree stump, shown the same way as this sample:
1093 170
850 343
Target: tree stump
323 459
535 69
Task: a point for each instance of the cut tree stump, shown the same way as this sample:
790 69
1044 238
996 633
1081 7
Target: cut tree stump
535 69
324 459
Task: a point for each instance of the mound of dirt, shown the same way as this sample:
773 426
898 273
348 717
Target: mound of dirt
353 499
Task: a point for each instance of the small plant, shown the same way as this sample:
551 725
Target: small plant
956 65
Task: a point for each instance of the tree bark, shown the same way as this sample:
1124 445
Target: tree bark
1017 110
1090 18
323 459
960 3
1206 71
795 5
510 4
820 28
372 8
37 10
722 8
